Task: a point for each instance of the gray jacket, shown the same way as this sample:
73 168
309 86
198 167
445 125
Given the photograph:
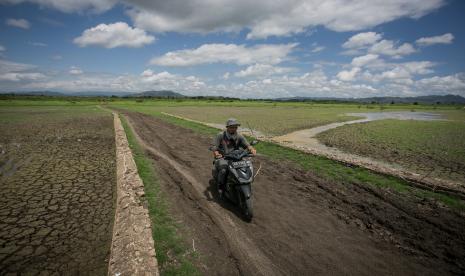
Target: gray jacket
225 143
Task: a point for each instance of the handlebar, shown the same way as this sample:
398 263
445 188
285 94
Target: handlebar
235 155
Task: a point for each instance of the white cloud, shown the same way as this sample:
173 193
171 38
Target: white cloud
364 60
348 75
400 73
396 82
70 5
2 48
314 83
361 40
226 75
10 66
38 44
388 48
263 18
114 35
272 18
57 57
262 70
267 81
443 85
147 80
15 72
226 53
317 49
440 39
150 76
418 67
20 76
167 81
19 23
373 43
73 70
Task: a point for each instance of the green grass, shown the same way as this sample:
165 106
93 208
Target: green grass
324 167
36 113
276 118
436 148
172 254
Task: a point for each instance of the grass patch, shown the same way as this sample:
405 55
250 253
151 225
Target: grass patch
172 254
435 148
327 168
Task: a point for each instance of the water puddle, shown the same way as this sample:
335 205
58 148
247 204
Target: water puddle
301 136
398 115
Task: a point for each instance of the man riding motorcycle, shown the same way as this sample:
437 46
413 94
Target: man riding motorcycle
224 143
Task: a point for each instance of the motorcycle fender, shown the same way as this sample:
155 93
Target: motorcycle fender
247 190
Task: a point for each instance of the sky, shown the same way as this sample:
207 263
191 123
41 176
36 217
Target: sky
240 48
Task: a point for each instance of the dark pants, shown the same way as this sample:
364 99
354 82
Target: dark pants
221 167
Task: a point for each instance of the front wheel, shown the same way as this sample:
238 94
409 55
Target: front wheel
246 207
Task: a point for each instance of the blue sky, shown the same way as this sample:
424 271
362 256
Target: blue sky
264 49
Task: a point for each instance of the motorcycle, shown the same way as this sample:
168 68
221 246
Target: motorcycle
239 178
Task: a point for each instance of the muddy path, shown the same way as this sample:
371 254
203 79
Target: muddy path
307 140
303 224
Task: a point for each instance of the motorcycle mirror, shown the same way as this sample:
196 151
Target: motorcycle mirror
254 142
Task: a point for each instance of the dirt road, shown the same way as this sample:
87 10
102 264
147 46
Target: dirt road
303 224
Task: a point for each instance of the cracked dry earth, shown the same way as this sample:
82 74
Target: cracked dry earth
57 194
303 224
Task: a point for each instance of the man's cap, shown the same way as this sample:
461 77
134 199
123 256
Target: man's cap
232 122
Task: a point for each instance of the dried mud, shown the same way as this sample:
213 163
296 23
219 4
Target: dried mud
303 224
57 193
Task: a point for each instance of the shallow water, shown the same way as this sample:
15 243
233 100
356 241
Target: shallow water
399 115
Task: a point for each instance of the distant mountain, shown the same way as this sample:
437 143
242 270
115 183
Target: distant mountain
97 94
35 93
433 99
157 94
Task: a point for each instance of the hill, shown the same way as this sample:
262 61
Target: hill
157 94
432 99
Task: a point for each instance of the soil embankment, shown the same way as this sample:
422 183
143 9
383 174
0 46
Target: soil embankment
132 250
303 224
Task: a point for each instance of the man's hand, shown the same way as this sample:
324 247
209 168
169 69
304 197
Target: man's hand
253 151
217 154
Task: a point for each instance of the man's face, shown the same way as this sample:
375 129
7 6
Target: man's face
232 129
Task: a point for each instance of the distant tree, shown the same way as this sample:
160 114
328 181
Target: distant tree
415 103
